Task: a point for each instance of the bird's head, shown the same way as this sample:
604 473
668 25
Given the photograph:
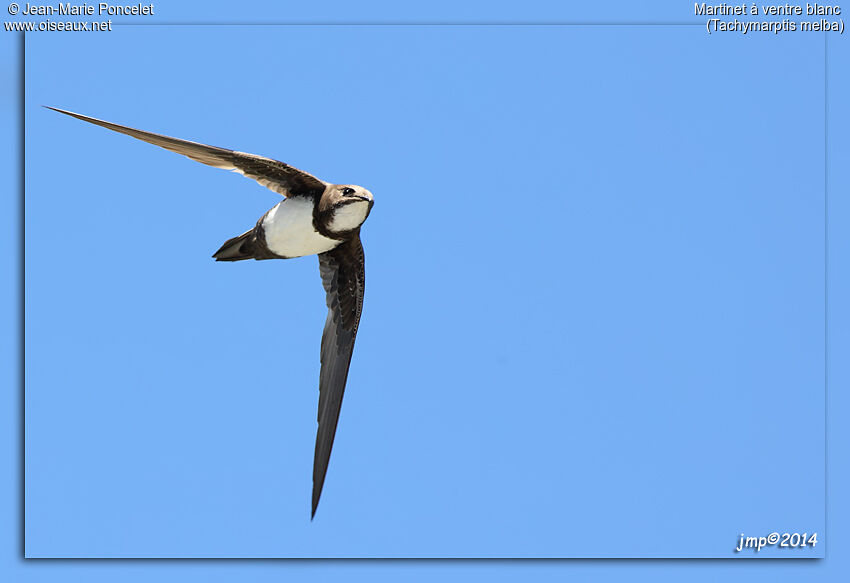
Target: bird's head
348 206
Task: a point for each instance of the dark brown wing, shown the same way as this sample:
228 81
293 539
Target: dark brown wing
343 276
277 176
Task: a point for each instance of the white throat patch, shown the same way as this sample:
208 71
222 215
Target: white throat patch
349 216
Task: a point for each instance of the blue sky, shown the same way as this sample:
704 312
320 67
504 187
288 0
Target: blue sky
595 293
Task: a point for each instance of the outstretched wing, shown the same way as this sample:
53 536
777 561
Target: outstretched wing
343 275
277 176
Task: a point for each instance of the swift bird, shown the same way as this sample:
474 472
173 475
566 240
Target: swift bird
315 217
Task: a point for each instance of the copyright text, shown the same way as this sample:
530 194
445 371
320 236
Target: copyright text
100 9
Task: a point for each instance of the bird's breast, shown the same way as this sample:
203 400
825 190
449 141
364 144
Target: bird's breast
289 231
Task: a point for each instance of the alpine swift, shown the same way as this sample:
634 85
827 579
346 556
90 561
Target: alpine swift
314 218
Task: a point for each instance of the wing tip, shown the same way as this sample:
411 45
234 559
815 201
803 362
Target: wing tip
70 113
316 496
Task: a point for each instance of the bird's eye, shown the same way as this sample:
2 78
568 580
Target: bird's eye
347 191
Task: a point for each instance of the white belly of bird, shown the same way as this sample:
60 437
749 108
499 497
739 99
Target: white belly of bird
289 230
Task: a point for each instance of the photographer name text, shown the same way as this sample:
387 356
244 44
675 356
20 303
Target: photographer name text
100 9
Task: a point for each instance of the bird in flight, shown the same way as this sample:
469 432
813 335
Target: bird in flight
314 218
